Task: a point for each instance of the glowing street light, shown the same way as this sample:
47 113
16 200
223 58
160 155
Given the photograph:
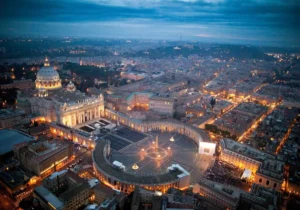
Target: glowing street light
172 139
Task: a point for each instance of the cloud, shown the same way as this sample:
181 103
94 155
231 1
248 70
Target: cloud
127 3
244 18
188 1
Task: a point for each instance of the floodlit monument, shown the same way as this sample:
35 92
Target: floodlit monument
54 103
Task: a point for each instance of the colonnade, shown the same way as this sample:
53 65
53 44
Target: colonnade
129 187
194 133
78 117
71 134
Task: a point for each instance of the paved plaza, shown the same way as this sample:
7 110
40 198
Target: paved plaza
151 160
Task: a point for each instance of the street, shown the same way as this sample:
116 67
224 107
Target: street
6 203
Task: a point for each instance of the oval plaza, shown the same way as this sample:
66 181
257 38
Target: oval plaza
115 170
155 155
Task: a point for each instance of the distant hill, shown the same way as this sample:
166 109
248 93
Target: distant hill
219 51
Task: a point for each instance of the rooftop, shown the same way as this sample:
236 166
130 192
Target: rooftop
64 96
245 150
42 150
49 197
272 168
201 133
58 173
13 178
162 98
74 177
60 96
100 187
6 113
131 95
228 192
11 137
69 194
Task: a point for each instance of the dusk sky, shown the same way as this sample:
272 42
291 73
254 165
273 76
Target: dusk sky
261 22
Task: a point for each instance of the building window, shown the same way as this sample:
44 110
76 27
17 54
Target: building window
260 180
275 185
267 182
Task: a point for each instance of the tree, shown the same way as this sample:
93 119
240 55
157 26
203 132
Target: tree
211 128
123 82
118 207
188 82
212 102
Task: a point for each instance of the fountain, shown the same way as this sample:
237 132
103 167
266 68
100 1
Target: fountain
155 152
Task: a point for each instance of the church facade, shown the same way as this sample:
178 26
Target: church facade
55 103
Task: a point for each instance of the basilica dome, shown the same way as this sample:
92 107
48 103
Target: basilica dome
47 78
71 87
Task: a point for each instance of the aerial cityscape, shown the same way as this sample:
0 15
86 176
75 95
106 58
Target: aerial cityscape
149 105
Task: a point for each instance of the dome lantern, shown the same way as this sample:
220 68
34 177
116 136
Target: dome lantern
46 63
71 87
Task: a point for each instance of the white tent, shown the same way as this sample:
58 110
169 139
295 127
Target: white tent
247 174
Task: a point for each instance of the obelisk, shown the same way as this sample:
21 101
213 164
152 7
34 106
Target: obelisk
156 143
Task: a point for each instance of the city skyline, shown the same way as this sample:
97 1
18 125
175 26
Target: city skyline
241 22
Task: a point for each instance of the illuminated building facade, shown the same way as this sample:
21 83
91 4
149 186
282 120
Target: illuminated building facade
240 155
133 75
206 146
65 105
73 134
267 170
270 174
163 105
42 158
138 99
